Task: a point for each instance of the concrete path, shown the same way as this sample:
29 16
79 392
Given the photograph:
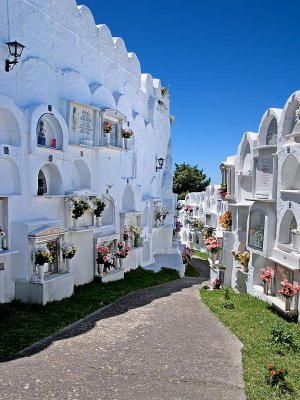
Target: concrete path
160 343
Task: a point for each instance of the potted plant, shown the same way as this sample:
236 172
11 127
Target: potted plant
41 256
288 291
78 206
243 258
102 257
68 252
214 246
99 205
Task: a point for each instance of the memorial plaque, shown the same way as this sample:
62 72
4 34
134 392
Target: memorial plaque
82 120
264 173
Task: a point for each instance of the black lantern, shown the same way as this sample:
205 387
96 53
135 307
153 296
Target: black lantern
15 49
160 162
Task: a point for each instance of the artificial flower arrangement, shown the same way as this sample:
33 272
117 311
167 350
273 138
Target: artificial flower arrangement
288 290
42 255
208 232
107 126
80 205
68 250
198 224
242 257
157 212
225 220
265 275
127 133
164 91
164 213
223 190
188 208
99 205
178 226
125 235
123 250
172 119
186 254
136 230
103 254
213 245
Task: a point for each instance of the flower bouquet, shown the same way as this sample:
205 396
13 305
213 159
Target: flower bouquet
164 91
125 236
225 220
136 230
68 250
265 275
208 232
79 205
99 205
186 255
42 255
188 209
127 133
213 245
216 284
198 224
107 126
288 290
243 258
102 254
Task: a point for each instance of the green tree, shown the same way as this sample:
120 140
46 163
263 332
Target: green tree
188 178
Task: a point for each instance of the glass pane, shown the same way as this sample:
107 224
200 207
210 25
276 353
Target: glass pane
272 133
114 135
53 266
256 230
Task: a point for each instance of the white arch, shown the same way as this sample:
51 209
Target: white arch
81 175
9 177
53 179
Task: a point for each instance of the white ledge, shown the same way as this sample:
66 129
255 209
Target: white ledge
8 252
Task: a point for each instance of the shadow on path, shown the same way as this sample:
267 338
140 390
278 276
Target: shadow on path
130 301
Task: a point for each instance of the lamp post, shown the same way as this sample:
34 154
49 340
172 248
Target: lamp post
15 49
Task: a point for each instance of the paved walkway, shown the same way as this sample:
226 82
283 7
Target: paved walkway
160 343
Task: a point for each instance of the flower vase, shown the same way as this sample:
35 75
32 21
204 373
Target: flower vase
41 273
157 221
107 135
61 268
100 269
98 221
75 224
121 261
266 288
213 257
287 304
68 265
126 143
163 222
296 241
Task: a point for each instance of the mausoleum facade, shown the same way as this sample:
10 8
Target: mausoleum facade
78 121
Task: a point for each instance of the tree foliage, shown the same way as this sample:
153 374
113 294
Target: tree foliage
188 178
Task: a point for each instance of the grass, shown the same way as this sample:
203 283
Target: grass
190 271
23 324
252 321
200 254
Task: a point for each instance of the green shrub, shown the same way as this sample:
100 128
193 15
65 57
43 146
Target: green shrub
283 339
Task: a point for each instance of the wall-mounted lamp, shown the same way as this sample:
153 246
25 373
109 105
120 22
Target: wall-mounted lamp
160 162
15 48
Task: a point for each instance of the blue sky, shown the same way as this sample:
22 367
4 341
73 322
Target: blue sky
225 62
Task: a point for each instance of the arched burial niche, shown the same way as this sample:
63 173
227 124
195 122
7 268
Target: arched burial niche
9 128
256 229
128 201
245 160
290 174
271 138
81 176
9 177
288 223
108 215
49 132
49 180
